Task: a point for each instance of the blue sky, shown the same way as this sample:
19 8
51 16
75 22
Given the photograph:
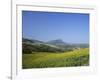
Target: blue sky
46 26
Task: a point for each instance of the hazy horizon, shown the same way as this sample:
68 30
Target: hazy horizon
47 26
55 39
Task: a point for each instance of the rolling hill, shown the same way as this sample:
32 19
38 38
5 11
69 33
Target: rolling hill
58 45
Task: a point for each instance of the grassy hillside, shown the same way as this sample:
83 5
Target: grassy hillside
77 57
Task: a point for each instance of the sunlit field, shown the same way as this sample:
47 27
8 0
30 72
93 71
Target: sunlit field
77 57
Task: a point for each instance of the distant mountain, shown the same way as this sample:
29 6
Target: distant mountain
57 42
81 45
58 45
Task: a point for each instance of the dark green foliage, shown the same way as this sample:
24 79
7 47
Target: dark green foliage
29 48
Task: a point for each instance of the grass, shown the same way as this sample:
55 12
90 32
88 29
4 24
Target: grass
78 57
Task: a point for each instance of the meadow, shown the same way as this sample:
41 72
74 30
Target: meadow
77 57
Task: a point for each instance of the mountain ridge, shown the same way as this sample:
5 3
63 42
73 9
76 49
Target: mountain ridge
57 45
57 42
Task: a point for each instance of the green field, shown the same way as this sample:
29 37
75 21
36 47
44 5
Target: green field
77 57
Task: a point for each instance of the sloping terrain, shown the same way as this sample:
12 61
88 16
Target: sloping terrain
78 57
32 45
